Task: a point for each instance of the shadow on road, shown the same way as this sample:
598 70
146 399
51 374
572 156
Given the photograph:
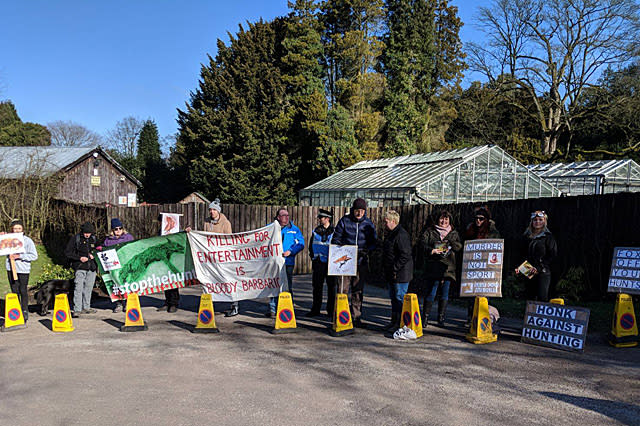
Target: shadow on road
623 412
182 325
47 323
117 324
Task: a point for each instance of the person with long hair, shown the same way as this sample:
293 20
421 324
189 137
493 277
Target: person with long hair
118 235
541 248
23 267
440 242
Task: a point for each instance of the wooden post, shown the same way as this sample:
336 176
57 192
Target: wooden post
13 268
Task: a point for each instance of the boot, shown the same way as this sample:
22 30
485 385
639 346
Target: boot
442 309
426 310
233 311
394 324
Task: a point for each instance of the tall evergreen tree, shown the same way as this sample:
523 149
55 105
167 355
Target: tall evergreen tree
152 169
14 132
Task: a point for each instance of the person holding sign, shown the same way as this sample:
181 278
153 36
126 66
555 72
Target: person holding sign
319 254
541 248
22 263
440 242
357 229
118 235
397 262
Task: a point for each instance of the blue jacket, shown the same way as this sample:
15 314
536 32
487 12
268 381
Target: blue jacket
350 231
292 240
319 248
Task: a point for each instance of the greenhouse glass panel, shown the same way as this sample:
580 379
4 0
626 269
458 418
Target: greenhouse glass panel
450 188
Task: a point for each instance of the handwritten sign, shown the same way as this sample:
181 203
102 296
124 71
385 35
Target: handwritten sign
625 270
482 268
555 326
343 260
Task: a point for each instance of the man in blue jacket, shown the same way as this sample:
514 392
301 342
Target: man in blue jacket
292 244
357 229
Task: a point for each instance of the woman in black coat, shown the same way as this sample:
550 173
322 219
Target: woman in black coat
397 263
539 249
440 243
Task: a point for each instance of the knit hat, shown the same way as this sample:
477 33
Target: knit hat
483 212
87 228
215 204
359 203
325 213
15 222
116 223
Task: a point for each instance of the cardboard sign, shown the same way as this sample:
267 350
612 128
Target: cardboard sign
555 326
482 268
625 271
343 260
11 243
170 223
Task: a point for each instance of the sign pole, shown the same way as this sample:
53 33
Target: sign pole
13 268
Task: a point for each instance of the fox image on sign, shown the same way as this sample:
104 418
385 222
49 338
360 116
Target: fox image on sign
343 260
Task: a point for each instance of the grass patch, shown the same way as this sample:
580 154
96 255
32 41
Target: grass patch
36 270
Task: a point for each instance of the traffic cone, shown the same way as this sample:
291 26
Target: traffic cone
286 317
411 314
206 321
342 324
62 321
557 301
624 329
480 331
133 318
13 318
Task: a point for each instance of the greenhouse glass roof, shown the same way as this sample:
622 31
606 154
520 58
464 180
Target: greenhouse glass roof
467 174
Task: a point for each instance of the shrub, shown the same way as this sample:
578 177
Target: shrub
52 271
513 287
572 285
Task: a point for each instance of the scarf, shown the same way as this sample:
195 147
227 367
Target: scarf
443 231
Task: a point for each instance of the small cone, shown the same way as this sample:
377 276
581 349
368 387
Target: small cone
13 318
411 314
133 318
342 324
624 329
206 321
62 321
285 318
557 301
480 331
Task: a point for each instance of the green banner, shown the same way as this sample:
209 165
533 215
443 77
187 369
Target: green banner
147 266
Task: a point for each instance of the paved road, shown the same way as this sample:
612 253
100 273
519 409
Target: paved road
246 376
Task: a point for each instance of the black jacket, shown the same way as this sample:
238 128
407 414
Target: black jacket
79 246
437 266
540 251
397 260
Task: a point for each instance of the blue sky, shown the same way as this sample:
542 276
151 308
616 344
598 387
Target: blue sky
96 62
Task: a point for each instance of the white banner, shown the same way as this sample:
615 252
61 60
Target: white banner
246 265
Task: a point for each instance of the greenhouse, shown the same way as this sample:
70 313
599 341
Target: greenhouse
592 177
480 173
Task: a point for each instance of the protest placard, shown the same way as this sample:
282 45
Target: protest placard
11 243
170 223
556 326
343 260
482 268
625 271
147 266
245 265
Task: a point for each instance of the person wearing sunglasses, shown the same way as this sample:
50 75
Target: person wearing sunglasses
118 235
541 249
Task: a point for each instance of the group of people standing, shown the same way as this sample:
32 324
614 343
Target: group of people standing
439 245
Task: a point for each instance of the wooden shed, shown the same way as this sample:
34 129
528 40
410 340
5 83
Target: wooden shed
89 174
195 197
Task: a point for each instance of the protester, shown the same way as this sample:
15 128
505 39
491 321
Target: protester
482 227
357 229
23 267
118 235
78 251
540 248
292 244
397 262
319 254
440 243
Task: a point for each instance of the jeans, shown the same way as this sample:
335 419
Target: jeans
82 292
273 302
396 294
432 289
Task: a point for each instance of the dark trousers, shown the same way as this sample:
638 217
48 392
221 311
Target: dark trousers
172 297
538 287
318 278
356 286
20 288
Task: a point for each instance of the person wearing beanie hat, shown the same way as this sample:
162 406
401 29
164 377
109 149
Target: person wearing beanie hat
22 262
118 235
357 229
319 254
78 251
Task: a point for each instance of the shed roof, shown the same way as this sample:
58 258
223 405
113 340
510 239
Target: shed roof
579 169
19 161
405 172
